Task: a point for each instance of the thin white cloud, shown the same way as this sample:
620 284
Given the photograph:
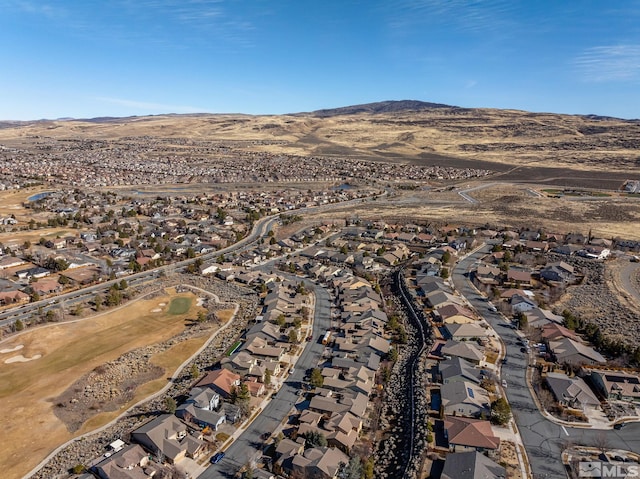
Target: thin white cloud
31 7
150 106
611 63
463 15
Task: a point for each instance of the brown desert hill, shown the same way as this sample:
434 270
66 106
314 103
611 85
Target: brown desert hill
390 106
520 145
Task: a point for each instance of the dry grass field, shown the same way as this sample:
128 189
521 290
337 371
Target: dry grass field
479 138
11 202
505 205
33 236
68 351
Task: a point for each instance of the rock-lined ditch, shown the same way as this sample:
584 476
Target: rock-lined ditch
393 457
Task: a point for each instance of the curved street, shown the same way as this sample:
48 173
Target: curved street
248 446
543 439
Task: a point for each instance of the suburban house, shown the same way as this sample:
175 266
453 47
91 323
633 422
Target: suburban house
203 417
615 385
521 304
319 462
465 398
130 462
466 434
46 286
518 278
572 392
488 274
455 314
458 332
168 437
13 297
554 332
456 370
221 381
559 272
462 349
541 318
204 398
577 354
471 465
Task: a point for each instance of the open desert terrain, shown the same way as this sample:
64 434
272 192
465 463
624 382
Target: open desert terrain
513 143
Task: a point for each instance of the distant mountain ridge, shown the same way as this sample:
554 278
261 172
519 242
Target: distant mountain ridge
391 106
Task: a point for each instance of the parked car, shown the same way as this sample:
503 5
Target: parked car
217 457
504 383
619 426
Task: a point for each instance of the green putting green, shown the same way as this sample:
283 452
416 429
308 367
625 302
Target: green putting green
179 305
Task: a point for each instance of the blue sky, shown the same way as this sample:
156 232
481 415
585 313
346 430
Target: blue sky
87 58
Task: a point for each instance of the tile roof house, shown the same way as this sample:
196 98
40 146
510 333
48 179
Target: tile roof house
466 434
221 381
471 465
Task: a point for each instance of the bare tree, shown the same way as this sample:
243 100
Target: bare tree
601 442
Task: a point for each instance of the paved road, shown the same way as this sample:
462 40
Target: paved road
628 272
249 445
261 228
543 439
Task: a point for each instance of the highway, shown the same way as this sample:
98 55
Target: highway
249 445
543 439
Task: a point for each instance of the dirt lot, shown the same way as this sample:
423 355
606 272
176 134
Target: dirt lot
69 351
509 458
509 205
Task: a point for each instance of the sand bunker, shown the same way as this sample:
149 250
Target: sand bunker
162 304
21 359
200 302
17 348
156 310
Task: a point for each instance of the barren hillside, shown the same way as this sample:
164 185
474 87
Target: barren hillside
436 134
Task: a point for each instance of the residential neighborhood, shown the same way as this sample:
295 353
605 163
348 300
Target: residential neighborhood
340 418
